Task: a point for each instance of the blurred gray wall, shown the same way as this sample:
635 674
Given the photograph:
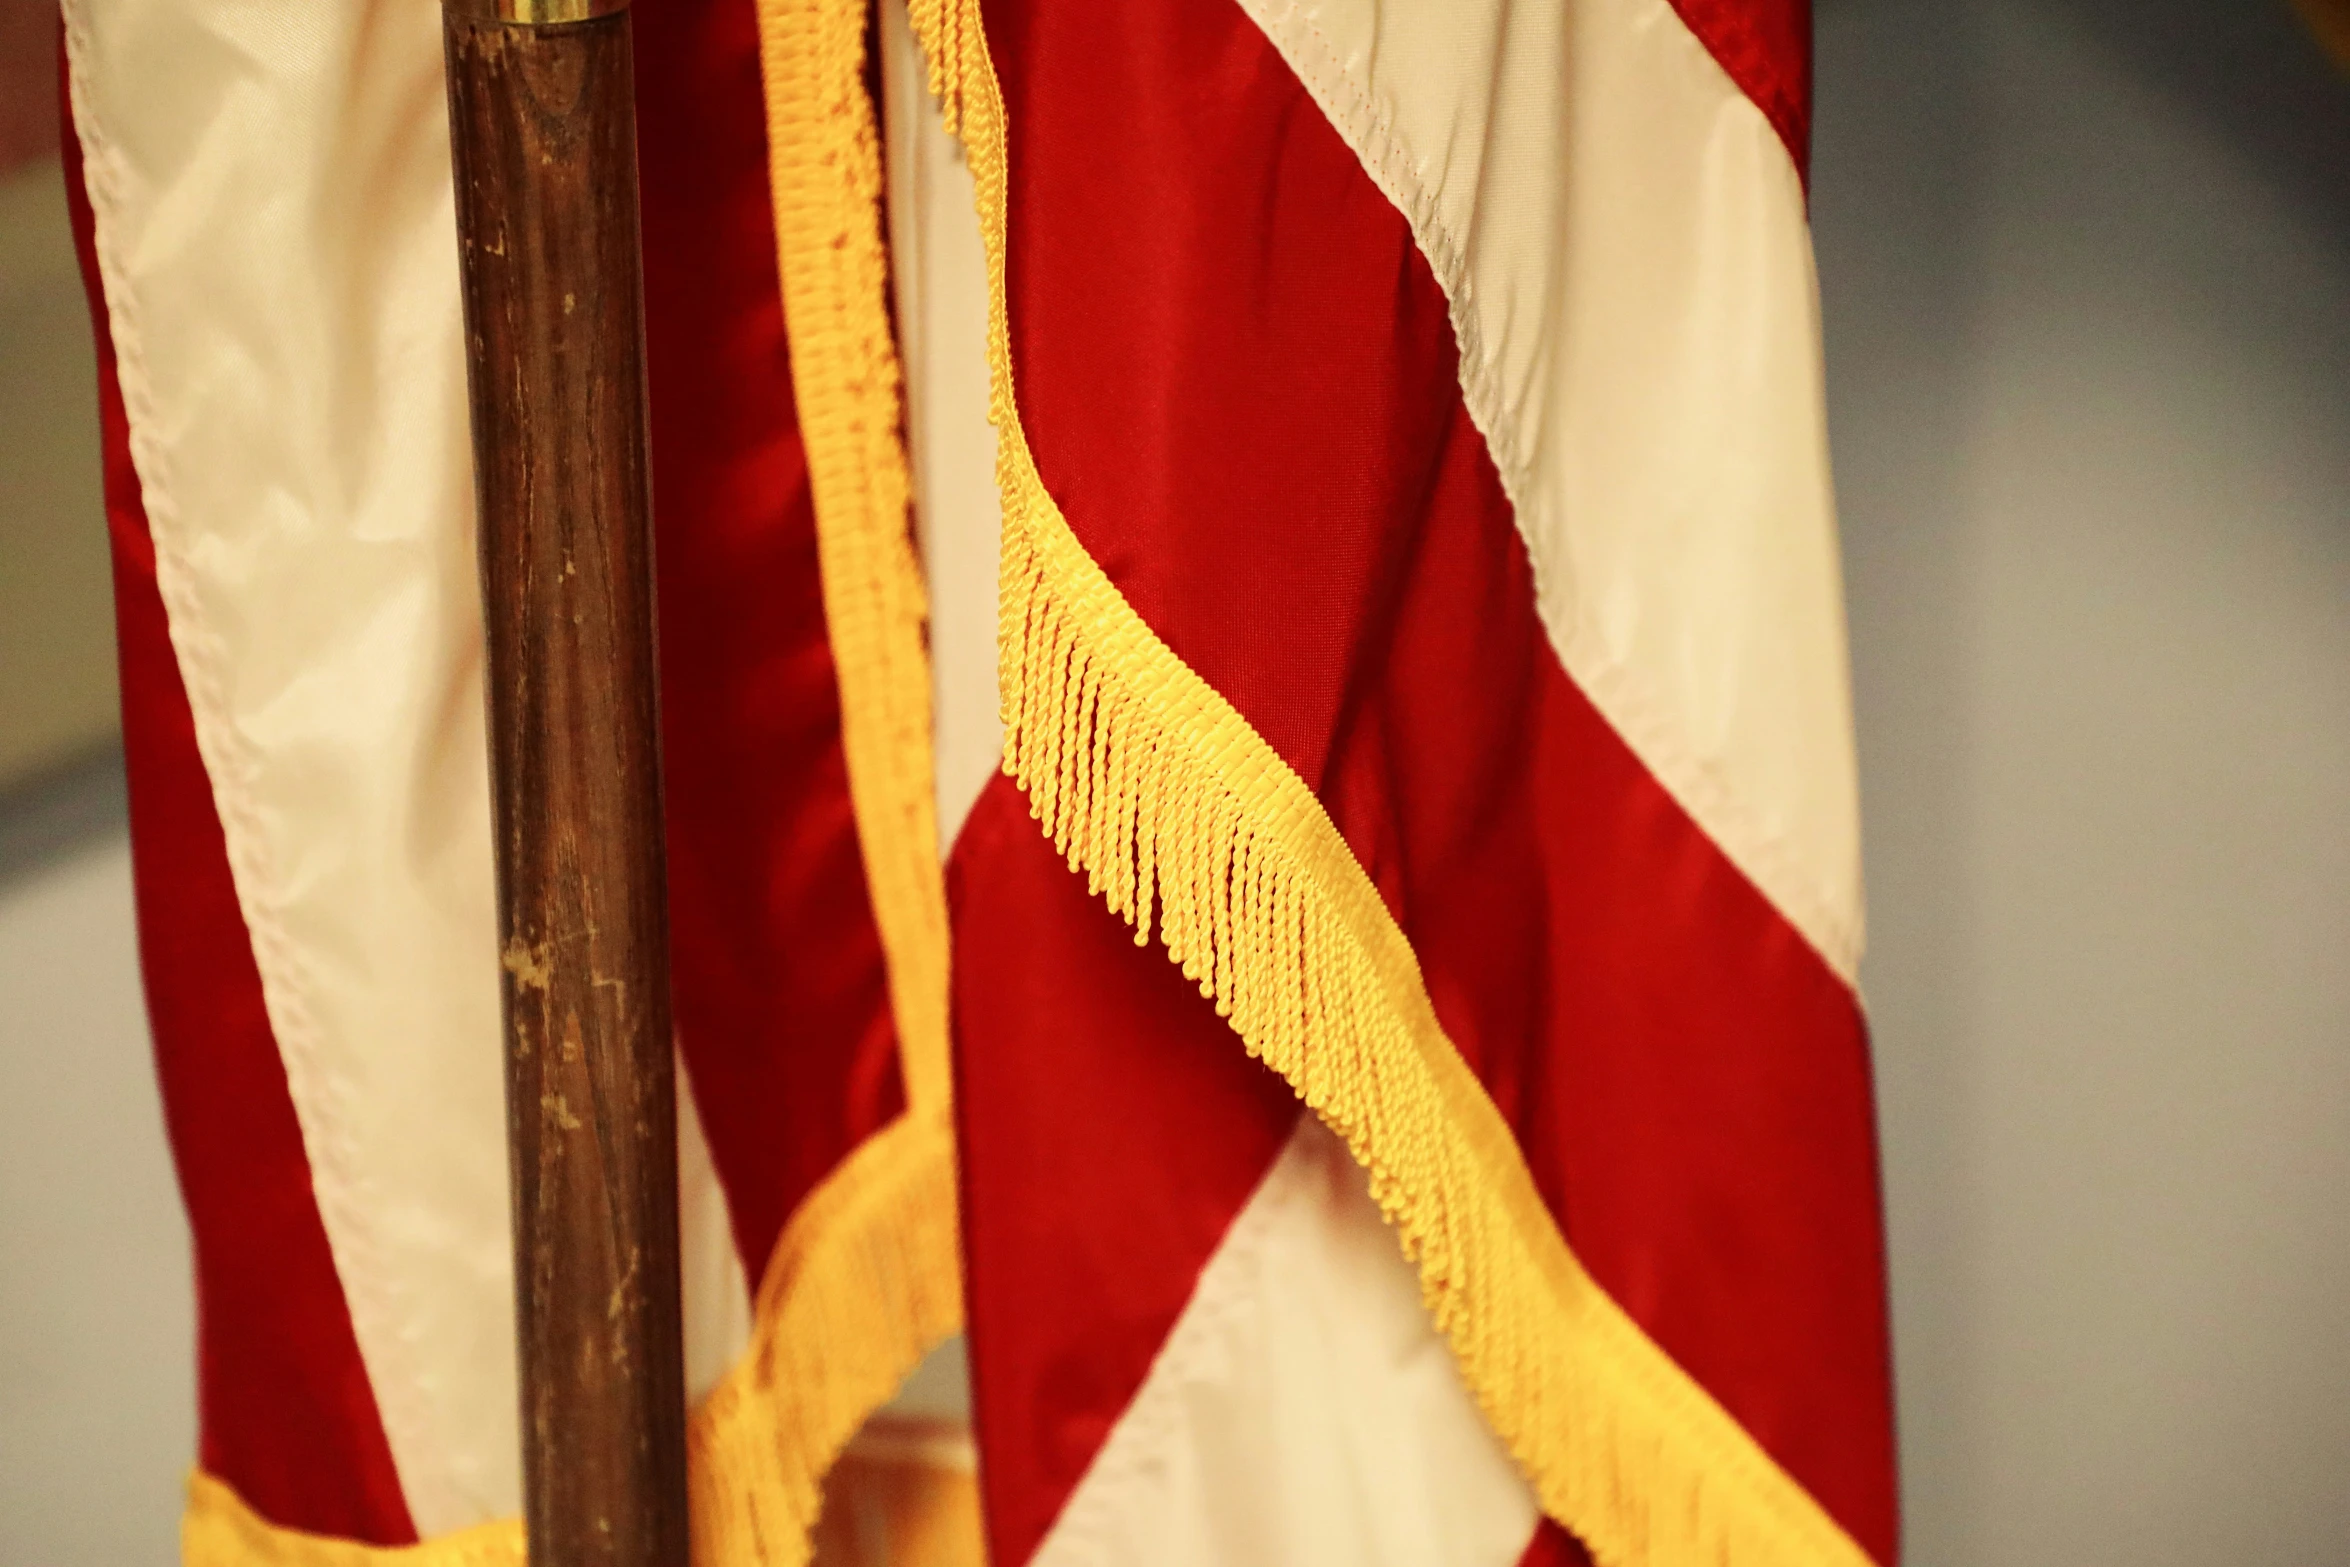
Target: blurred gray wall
2086 268
2086 271
97 1324
56 606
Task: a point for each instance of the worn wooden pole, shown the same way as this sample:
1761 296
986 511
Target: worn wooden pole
544 139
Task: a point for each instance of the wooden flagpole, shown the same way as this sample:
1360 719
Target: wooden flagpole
543 128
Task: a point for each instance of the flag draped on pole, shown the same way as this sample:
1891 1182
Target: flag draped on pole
267 225
1261 571
1419 633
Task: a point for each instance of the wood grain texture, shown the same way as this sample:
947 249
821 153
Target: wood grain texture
544 140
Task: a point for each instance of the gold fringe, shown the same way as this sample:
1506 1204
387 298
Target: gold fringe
825 161
1180 815
846 1317
219 1530
863 1284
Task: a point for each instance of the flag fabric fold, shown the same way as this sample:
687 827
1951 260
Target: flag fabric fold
1257 757
273 271
1418 618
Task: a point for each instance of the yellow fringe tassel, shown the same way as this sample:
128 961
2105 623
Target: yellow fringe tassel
845 1318
219 1530
865 1282
1182 818
825 159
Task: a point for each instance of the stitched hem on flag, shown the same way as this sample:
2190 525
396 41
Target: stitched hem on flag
865 1281
1181 816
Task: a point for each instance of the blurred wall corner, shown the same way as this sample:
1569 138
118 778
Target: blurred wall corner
57 695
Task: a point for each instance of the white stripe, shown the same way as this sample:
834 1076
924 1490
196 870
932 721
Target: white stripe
275 232
1622 237
1303 1411
714 1285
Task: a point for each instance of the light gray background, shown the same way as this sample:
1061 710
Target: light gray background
2087 279
2086 268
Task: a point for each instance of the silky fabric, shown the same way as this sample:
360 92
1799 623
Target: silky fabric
1239 378
1110 1129
276 242
1765 47
296 410
776 970
1303 1411
284 1410
1620 235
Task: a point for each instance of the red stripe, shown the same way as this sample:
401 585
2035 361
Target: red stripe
1110 1132
780 992
287 1415
1239 379
1765 47
1552 1546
